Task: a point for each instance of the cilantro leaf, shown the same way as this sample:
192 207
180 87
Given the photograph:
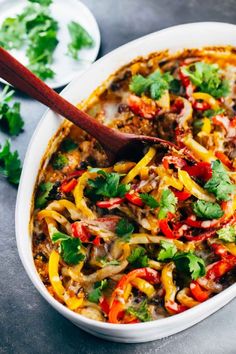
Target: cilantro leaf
227 234
149 200
207 78
168 203
141 311
69 248
154 85
10 164
168 250
105 262
59 162
138 257
107 185
219 184
190 263
43 194
209 113
124 229
12 33
68 145
80 38
207 210
42 2
96 293
10 117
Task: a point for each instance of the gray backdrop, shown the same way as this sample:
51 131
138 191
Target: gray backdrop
27 323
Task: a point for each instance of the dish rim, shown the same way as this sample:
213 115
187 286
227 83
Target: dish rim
32 272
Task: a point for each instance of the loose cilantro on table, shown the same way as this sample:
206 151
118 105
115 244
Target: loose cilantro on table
149 200
68 145
155 85
140 311
59 161
80 38
207 78
124 229
138 257
108 184
10 117
227 234
207 210
10 164
96 293
168 250
70 248
42 2
219 184
167 203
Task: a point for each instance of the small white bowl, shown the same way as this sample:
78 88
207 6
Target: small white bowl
176 38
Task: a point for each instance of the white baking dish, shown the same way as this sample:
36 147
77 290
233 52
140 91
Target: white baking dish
175 38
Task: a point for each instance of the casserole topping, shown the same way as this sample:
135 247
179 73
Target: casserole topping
142 240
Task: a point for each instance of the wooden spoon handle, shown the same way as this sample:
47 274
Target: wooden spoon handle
20 77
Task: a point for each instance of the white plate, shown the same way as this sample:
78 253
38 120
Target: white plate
175 39
63 11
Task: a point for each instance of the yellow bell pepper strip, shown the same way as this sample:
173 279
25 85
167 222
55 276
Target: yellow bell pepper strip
193 188
198 150
142 163
79 196
185 299
164 101
170 290
186 113
72 302
144 286
60 205
206 98
169 180
56 216
206 127
231 248
124 167
117 305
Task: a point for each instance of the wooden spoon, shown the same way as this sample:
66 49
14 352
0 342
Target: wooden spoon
115 144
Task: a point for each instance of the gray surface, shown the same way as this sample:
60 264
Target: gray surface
27 323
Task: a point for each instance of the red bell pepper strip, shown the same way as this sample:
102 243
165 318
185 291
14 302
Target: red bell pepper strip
97 241
198 292
174 308
165 227
221 121
189 87
181 195
145 108
110 203
74 174
202 237
104 305
134 198
67 187
201 106
224 159
117 306
201 170
201 224
79 230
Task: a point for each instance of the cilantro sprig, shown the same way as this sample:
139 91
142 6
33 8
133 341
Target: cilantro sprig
186 262
154 85
219 184
80 38
10 163
96 293
207 78
10 117
70 248
140 311
227 233
59 161
108 184
167 203
124 229
149 200
138 257
207 210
